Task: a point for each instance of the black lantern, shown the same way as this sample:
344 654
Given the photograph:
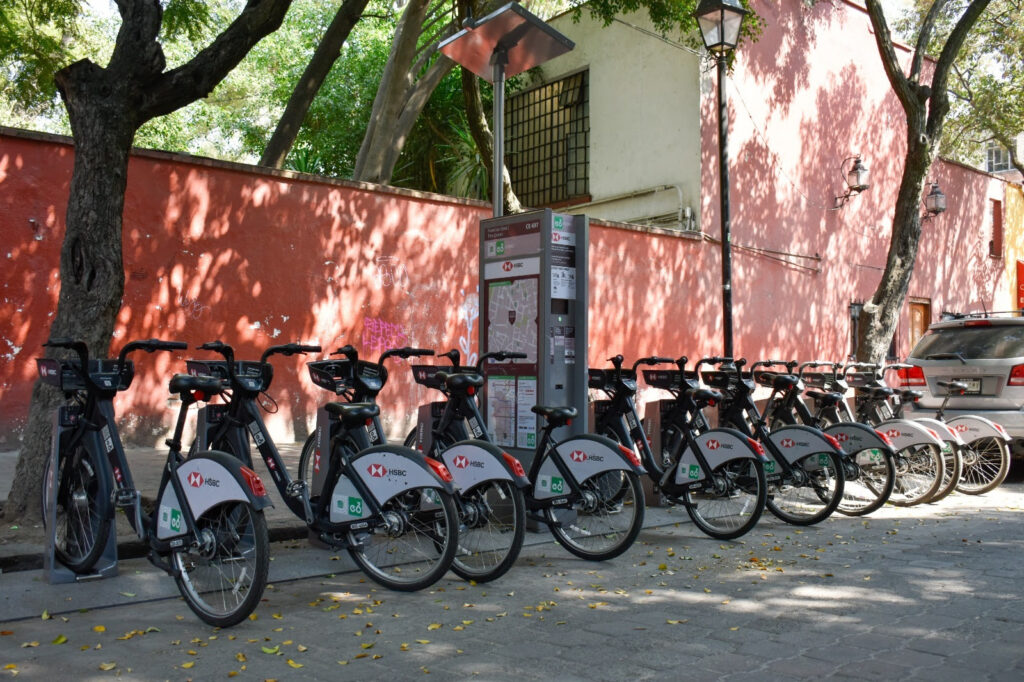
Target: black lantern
857 180
720 22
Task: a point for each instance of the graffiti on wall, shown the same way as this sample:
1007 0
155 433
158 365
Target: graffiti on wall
390 272
193 307
380 335
469 312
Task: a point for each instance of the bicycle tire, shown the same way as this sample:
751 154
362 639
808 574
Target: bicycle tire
492 526
733 502
410 440
811 493
873 485
986 464
305 472
414 545
952 469
918 474
587 529
83 508
223 581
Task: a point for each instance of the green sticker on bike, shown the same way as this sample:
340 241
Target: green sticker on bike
694 472
355 506
875 456
769 467
557 485
175 523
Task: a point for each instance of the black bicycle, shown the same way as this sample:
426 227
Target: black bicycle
805 474
389 506
489 482
585 488
207 529
716 474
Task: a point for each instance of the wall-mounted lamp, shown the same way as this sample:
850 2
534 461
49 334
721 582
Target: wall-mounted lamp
934 203
856 180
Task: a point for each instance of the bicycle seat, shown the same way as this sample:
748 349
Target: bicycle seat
186 383
706 396
828 399
911 396
556 416
878 392
460 382
353 414
953 386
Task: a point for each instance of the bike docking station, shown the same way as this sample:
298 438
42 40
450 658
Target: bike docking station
54 571
533 282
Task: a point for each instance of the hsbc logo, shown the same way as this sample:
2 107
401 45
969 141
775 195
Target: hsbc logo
713 444
507 266
961 428
787 443
842 437
461 462
578 456
377 470
893 433
195 479
118 475
316 462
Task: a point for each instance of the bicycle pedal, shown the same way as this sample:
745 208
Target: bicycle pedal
126 498
296 489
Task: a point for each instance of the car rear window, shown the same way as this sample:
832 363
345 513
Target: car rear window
977 343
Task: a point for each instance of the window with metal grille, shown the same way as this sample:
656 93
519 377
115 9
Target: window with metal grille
547 142
996 157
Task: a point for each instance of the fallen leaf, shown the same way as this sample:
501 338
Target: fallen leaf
302 648
11 666
294 664
270 650
367 645
423 641
108 666
434 626
46 615
5 633
188 665
240 657
127 594
342 662
98 628
60 639
29 645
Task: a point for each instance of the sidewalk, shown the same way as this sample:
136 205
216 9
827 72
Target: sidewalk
21 549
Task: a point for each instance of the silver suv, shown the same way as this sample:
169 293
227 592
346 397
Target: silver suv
984 352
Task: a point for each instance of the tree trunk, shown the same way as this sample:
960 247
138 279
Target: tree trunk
327 52
481 133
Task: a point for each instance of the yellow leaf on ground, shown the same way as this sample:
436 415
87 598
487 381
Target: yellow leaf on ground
367 645
46 615
188 665
108 666
240 657
294 664
434 626
60 639
270 650
423 641
98 628
11 666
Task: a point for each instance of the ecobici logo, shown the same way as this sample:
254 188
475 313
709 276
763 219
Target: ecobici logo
171 519
355 506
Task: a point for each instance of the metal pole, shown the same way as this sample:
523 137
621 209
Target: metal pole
723 181
500 59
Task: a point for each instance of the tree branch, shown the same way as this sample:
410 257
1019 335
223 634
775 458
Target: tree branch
940 100
883 38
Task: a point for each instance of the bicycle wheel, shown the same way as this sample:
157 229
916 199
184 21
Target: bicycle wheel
222 580
413 543
732 500
601 525
873 484
952 469
811 492
305 472
410 440
918 474
986 464
83 508
492 522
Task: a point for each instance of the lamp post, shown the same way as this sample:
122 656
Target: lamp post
720 22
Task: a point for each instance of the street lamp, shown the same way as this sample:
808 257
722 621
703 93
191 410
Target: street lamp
720 22
934 203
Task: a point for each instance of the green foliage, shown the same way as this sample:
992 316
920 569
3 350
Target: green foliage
672 17
987 87
34 43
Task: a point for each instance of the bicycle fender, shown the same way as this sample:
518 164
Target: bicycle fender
972 427
208 478
797 441
904 433
585 455
385 471
472 462
717 446
942 429
854 437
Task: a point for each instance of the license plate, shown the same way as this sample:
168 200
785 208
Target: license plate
973 385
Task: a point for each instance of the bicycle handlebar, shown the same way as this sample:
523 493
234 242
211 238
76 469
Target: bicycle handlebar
289 349
653 360
79 347
454 356
500 356
405 353
814 364
681 363
348 351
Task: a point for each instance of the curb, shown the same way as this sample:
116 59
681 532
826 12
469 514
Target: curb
136 549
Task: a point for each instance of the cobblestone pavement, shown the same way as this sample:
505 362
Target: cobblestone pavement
927 593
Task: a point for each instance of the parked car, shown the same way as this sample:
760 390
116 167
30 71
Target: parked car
985 352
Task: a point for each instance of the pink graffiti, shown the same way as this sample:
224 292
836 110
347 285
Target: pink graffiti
379 335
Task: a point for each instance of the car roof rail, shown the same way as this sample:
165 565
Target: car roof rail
992 313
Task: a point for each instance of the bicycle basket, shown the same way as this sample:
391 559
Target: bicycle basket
251 375
426 375
600 378
668 379
719 379
862 379
819 380
64 374
333 375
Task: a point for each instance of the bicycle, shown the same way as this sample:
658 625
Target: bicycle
982 444
584 488
488 481
388 506
207 529
716 474
805 476
870 464
920 463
